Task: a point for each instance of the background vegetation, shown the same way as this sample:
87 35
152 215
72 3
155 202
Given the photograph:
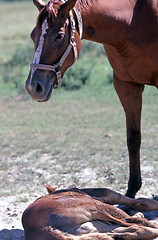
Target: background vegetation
78 137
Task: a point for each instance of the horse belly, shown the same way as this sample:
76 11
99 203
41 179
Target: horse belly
92 227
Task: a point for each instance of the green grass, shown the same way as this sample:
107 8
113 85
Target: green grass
78 137
17 21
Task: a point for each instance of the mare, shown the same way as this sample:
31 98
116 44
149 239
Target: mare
83 214
128 30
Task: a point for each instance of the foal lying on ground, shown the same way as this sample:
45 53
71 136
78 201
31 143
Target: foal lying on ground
83 214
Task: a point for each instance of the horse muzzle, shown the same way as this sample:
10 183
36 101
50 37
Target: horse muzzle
40 86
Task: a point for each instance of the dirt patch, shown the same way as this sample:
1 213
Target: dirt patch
10 221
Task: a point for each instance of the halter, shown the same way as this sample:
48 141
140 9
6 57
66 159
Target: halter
56 68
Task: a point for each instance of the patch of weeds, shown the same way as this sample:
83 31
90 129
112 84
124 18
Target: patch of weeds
77 76
75 180
110 176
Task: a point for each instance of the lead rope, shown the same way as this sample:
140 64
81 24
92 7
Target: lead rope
56 68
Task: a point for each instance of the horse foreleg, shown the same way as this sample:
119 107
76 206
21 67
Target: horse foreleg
111 197
108 196
130 95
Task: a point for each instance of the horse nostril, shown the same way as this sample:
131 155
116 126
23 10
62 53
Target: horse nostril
38 88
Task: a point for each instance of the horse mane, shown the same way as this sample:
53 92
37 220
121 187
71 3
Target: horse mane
84 4
50 10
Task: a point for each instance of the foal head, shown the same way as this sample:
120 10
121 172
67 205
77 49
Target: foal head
57 45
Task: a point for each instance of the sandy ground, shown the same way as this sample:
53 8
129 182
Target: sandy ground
10 219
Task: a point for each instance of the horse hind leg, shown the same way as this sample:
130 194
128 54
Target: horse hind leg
139 218
54 234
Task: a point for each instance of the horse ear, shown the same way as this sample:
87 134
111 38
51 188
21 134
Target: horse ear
67 6
50 189
39 4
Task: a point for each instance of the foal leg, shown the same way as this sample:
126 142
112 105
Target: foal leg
108 196
54 234
130 95
135 232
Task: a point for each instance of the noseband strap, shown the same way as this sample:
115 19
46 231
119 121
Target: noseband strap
56 68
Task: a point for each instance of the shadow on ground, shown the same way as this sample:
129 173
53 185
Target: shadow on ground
13 234
153 215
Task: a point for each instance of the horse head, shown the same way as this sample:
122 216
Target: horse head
57 42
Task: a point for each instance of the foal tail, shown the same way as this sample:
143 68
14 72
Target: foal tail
52 234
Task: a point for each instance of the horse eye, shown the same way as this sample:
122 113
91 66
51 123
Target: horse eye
60 36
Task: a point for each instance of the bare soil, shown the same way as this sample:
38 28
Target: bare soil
10 221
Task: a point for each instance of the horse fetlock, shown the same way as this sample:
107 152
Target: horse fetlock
134 184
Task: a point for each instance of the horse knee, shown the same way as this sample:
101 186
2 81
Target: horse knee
134 141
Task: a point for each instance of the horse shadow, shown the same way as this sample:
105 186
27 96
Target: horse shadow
153 215
13 234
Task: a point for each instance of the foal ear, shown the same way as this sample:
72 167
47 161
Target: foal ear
50 189
39 4
66 7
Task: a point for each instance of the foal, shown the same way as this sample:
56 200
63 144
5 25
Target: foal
83 214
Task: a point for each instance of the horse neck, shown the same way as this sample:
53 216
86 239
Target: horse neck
106 22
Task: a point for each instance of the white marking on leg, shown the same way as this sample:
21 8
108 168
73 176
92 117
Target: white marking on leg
38 52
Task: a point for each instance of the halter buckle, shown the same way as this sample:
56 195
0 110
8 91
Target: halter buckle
59 79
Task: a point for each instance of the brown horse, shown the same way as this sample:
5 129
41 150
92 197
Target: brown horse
83 214
128 30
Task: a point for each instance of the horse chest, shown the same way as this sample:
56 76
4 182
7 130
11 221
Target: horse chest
134 65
